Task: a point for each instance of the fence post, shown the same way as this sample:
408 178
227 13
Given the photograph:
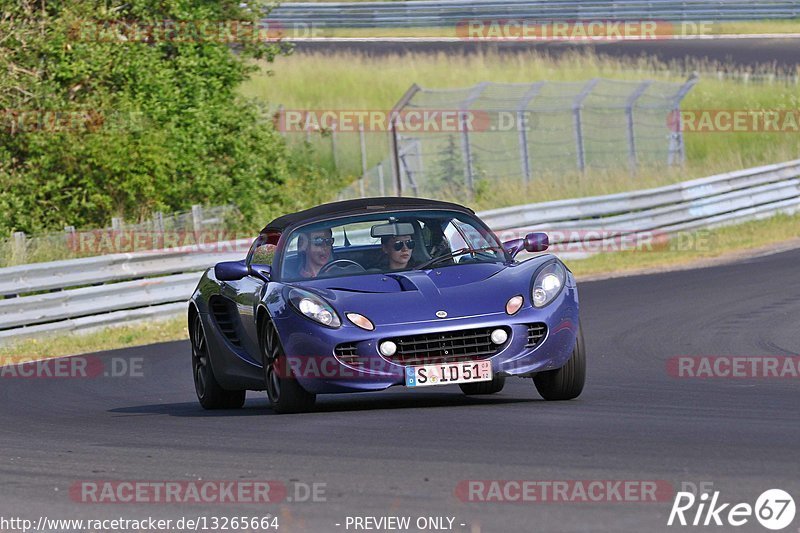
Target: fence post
197 218
158 223
409 173
394 156
467 155
394 148
69 236
522 126
630 102
380 179
676 148
464 106
19 252
334 146
279 120
577 106
363 146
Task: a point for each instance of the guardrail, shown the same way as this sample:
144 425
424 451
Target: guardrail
437 13
119 288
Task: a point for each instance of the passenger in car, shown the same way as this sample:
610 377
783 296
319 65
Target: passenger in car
316 248
397 251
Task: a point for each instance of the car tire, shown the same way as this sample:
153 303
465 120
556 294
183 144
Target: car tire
565 383
483 387
209 392
285 394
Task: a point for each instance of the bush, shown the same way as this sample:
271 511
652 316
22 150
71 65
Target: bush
94 126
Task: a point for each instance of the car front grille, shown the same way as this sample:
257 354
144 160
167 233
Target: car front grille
445 347
536 332
346 353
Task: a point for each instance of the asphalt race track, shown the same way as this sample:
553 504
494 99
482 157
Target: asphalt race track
404 453
783 53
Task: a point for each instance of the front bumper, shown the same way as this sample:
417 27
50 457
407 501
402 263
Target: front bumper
311 359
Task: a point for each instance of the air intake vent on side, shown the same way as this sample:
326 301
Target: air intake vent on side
223 315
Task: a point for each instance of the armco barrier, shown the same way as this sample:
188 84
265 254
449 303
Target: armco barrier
439 13
119 288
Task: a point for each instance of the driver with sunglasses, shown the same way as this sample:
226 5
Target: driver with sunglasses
316 248
397 252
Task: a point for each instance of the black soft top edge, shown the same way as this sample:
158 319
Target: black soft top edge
356 207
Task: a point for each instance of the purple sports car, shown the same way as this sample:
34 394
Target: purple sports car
361 295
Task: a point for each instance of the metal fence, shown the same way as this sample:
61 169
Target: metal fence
122 236
452 12
471 139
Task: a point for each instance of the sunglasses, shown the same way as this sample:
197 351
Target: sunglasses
322 241
399 245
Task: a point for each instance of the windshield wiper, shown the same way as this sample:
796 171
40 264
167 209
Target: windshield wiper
460 251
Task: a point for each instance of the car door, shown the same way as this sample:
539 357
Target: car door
235 311
259 262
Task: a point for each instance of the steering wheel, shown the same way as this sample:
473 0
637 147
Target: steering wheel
342 264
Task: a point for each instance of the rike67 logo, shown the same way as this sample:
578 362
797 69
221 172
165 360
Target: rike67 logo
774 509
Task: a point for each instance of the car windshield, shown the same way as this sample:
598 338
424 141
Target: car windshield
387 242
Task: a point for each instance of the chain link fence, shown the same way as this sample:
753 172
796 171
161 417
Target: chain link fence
453 142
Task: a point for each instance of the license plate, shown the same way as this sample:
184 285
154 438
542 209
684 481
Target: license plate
448 373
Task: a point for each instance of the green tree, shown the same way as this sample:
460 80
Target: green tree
448 176
120 108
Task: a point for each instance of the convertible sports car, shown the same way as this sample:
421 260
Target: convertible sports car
362 295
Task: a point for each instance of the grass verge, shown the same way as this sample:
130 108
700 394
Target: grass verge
684 250
135 334
694 248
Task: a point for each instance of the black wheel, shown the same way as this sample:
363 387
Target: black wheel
284 392
566 382
484 387
210 394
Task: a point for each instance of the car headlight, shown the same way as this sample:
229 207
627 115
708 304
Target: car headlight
314 307
548 284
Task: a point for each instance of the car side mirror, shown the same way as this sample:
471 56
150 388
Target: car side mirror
533 242
536 242
230 270
262 272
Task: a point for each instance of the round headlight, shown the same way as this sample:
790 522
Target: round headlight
388 348
499 336
313 307
548 284
539 297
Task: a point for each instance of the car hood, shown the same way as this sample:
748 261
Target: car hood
414 296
